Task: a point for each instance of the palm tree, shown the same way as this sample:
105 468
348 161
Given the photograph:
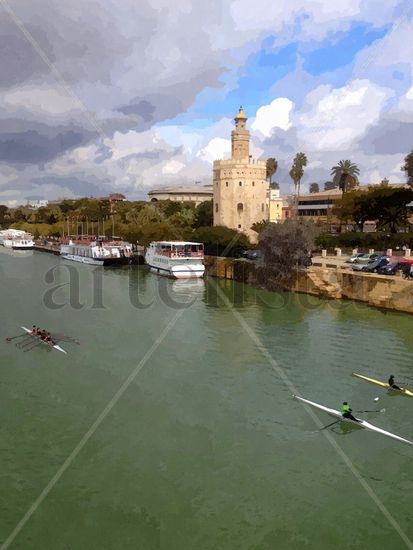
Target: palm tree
345 174
300 161
272 166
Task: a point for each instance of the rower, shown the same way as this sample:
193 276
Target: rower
346 412
392 384
34 329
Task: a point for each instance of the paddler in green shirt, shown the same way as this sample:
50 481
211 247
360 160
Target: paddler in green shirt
346 411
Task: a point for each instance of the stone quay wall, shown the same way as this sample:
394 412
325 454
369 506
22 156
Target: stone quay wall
389 292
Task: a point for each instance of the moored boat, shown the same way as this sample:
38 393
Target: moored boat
177 259
16 239
96 251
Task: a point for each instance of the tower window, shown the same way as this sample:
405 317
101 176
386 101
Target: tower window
253 183
240 208
240 183
226 184
216 207
262 207
239 226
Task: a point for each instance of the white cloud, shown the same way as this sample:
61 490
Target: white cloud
217 148
274 115
172 167
334 120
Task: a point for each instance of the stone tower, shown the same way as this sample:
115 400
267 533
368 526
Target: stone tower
240 185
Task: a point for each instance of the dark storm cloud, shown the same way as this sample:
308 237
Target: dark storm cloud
34 143
18 60
388 138
174 99
79 186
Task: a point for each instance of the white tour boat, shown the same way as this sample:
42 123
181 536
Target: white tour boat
96 251
16 239
178 259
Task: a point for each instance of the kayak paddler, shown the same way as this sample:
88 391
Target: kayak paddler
392 384
346 411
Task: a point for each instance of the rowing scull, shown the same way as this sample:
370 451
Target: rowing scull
403 391
55 346
361 423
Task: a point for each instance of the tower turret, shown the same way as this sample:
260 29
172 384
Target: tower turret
240 137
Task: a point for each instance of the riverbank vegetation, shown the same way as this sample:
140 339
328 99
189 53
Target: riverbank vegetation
135 221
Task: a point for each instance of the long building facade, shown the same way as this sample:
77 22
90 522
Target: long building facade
239 184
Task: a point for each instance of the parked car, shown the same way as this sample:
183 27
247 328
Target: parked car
376 264
355 257
250 254
394 267
366 258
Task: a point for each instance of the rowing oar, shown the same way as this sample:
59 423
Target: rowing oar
10 338
24 342
328 425
29 348
375 411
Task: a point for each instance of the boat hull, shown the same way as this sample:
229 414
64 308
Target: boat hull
93 261
179 272
402 391
360 423
56 347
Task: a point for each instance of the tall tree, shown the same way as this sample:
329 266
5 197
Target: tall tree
314 188
272 166
345 174
300 161
284 247
408 167
204 214
3 213
383 204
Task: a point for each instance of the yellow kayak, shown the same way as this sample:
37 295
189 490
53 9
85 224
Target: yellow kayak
403 391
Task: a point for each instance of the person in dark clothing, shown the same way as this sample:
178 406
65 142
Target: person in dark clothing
392 384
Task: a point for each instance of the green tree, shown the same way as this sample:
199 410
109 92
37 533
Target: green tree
354 206
204 214
382 204
408 167
4 214
219 240
150 214
259 227
297 171
329 185
159 231
345 175
272 166
285 247
389 207
314 188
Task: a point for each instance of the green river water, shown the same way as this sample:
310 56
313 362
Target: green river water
204 447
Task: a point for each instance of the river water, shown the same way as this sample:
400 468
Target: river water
203 446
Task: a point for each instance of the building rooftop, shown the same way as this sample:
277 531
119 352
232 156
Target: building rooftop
183 189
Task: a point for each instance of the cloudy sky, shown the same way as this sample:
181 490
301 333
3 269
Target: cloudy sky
128 95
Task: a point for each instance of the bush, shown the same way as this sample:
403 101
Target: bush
220 241
377 240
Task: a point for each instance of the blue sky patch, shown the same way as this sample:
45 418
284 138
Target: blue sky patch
341 49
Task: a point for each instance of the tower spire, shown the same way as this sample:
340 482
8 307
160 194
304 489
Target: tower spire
240 137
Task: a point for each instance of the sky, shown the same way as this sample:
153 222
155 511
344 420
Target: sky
130 95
